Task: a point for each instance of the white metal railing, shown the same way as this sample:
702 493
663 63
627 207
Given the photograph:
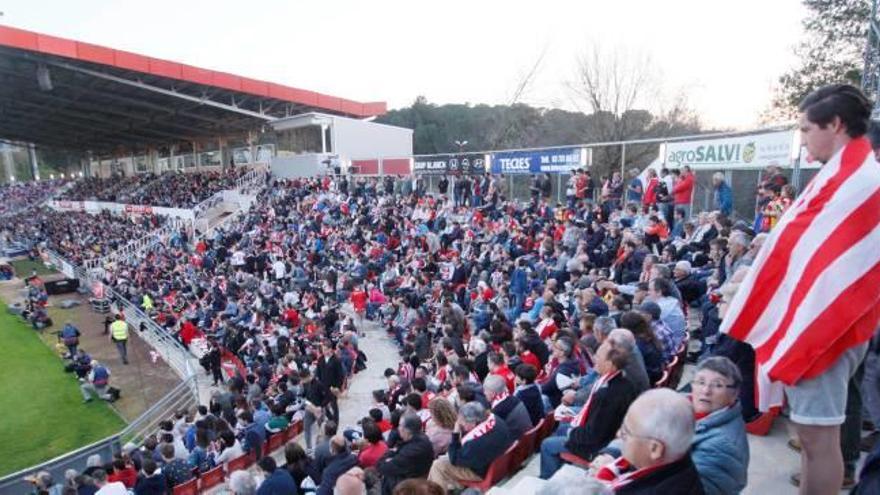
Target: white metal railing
202 208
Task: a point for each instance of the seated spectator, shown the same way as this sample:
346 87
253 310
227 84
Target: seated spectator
418 487
277 481
656 436
351 483
44 484
106 487
230 448
668 341
374 446
150 481
598 420
440 424
340 461
176 471
649 347
243 483
529 393
720 449
299 464
478 439
507 406
123 472
411 459
564 373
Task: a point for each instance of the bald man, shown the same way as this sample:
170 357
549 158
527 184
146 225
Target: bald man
656 433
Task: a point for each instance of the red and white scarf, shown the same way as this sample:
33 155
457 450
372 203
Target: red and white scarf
584 413
620 473
499 398
479 430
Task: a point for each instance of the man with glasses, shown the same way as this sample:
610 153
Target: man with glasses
656 435
598 420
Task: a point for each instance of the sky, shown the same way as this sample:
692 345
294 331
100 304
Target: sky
724 57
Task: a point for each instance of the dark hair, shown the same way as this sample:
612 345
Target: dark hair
527 372
267 464
375 414
293 453
372 433
663 286
149 466
413 400
838 100
330 428
417 486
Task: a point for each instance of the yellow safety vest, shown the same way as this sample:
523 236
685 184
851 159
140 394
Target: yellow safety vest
119 330
147 303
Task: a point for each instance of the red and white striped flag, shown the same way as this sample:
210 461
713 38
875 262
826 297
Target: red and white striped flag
814 290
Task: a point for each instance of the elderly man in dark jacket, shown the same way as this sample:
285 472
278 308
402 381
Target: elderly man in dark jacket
411 459
506 406
340 461
479 438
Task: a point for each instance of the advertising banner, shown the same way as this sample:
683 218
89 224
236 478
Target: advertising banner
752 151
464 163
533 162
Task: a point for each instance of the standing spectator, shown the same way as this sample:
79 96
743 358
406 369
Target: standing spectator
683 192
332 375
634 189
119 335
722 195
663 193
650 196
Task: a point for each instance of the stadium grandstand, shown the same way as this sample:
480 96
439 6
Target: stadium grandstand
301 306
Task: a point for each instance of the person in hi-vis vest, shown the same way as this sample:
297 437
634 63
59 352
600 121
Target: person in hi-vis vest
119 335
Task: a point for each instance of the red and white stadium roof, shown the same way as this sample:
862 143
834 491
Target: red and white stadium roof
68 94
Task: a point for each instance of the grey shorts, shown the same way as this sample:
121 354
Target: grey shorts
821 401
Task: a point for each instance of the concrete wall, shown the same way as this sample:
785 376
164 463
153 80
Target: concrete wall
354 139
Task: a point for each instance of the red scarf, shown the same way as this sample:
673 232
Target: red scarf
584 413
500 397
620 473
479 430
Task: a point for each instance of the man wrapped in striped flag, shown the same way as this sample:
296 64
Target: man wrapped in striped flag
811 300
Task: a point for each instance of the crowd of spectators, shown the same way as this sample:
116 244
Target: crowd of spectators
18 196
169 189
504 313
78 236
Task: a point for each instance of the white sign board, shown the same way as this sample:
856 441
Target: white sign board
753 151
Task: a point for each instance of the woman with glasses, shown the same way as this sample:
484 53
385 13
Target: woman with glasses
720 449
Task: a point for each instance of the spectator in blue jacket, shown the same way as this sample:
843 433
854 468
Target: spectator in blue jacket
722 197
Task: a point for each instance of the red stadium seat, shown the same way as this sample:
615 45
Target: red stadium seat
676 369
573 459
211 478
498 470
275 442
524 447
548 424
191 487
241 462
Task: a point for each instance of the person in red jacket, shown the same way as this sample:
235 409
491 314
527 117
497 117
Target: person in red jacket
497 366
683 192
650 197
359 303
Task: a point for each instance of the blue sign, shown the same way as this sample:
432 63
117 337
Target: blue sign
533 162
